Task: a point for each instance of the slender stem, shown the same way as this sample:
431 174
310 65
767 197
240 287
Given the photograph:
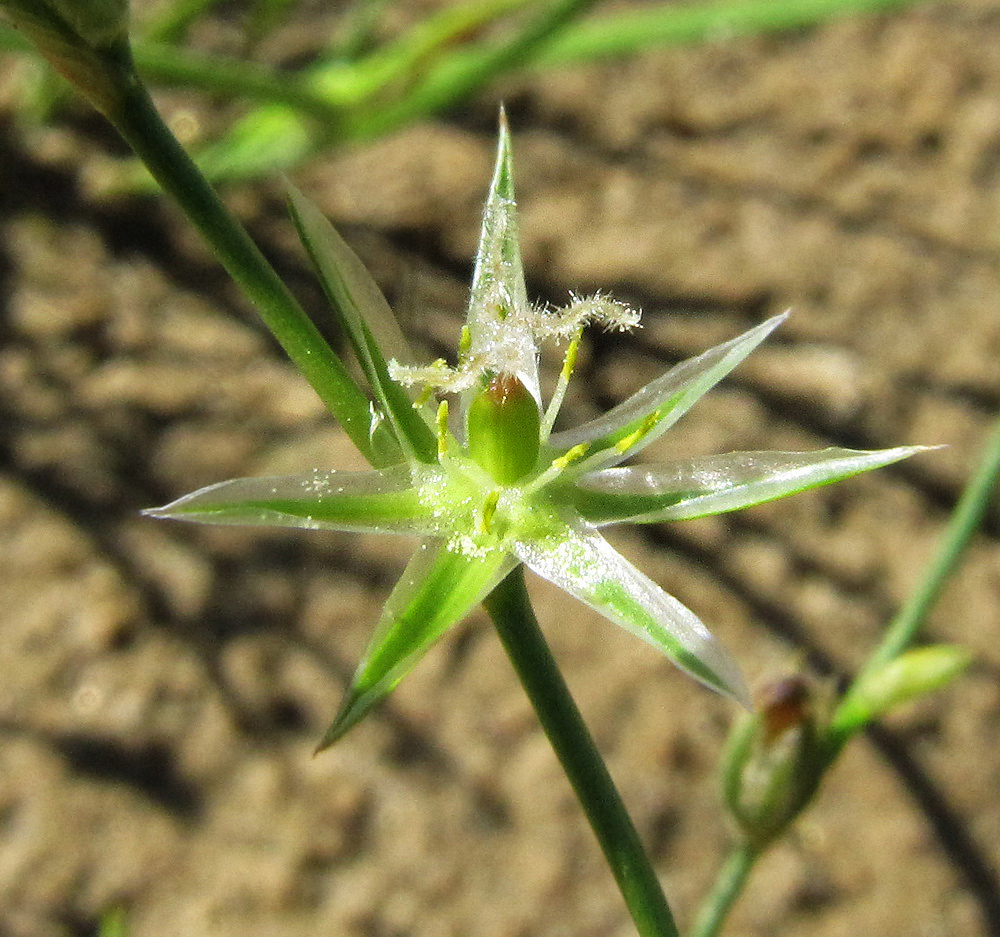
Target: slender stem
727 888
962 524
137 120
512 614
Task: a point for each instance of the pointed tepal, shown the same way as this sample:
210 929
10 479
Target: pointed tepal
498 305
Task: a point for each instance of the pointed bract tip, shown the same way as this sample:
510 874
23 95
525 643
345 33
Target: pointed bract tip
167 511
332 735
772 323
503 170
731 683
352 710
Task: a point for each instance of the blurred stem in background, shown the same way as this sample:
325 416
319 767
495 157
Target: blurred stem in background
355 89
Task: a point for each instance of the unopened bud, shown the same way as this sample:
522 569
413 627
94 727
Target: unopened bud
909 676
774 761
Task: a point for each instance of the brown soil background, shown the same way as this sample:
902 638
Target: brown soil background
161 686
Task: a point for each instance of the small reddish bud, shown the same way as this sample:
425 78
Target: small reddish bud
784 704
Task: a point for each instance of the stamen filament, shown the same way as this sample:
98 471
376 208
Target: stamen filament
558 465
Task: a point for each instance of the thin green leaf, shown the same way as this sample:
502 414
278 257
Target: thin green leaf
139 123
467 69
583 563
172 23
381 502
405 60
438 589
646 415
371 326
270 139
716 484
632 30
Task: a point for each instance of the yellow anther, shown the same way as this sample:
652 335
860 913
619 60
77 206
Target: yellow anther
464 342
627 442
569 362
570 456
442 429
423 397
489 510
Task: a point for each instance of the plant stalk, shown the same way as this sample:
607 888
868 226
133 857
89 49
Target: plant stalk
727 888
135 117
962 524
510 608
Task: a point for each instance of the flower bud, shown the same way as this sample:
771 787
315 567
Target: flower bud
503 429
909 676
774 761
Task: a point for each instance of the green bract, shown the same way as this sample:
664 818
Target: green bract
495 487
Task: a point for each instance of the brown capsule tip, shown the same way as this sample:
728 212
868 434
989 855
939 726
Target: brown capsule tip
784 704
504 386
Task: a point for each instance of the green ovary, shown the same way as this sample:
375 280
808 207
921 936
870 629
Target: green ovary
503 430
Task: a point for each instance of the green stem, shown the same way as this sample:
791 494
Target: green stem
903 629
728 887
137 120
512 614
962 524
